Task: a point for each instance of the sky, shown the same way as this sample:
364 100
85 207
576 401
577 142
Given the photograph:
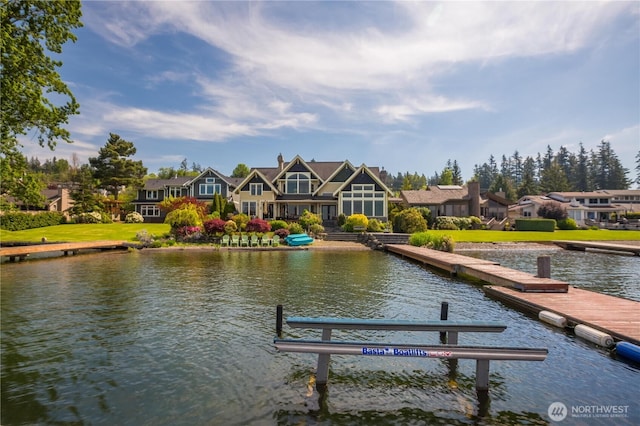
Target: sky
404 86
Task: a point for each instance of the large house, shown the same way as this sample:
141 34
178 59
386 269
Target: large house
583 207
285 191
202 187
455 200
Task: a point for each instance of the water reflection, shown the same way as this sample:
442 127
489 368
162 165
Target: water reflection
186 338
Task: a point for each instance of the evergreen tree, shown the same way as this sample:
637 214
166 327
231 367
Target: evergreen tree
85 199
528 185
457 173
503 184
516 168
554 179
581 176
446 178
112 167
638 167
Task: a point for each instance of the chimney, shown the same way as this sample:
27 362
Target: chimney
280 162
474 198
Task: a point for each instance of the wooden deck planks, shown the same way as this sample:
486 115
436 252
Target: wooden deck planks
613 315
484 270
23 251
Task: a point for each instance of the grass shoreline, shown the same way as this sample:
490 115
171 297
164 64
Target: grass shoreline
128 231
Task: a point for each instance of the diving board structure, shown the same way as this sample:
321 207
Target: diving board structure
327 347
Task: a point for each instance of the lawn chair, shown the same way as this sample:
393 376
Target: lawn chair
254 241
265 241
275 241
244 241
225 241
235 241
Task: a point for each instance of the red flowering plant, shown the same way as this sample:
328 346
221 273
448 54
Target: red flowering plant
258 225
170 204
188 234
214 227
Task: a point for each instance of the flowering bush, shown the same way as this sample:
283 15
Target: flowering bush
92 217
307 219
258 225
134 217
189 233
170 204
186 216
282 233
241 220
356 221
213 226
230 227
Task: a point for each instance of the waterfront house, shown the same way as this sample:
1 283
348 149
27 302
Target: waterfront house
460 201
325 188
586 208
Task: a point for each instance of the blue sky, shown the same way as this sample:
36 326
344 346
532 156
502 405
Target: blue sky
400 85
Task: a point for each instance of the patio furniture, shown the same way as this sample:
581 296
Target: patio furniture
235 241
225 241
254 241
244 241
275 241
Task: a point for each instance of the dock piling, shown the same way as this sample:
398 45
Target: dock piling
544 267
444 315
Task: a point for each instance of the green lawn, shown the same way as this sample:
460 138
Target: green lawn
84 232
128 231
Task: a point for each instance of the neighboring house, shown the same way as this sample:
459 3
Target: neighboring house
455 200
583 207
325 188
57 199
202 187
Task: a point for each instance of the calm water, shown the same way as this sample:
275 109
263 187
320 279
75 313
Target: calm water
185 337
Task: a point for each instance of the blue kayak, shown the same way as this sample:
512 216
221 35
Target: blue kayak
298 240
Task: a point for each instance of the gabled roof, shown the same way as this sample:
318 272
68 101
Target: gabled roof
435 195
251 175
215 172
368 171
336 171
157 184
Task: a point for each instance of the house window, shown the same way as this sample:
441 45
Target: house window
298 183
210 187
593 201
174 191
255 188
249 208
152 195
604 201
149 211
363 199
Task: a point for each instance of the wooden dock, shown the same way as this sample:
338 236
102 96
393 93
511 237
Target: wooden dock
484 270
618 317
583 245
19 253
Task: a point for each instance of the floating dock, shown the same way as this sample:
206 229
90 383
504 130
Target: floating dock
19 253
484 270
616 316
583 245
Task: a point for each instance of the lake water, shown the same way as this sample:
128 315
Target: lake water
186 337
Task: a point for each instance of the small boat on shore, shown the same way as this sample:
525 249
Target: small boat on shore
298 240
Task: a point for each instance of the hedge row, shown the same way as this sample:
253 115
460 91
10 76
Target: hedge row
20 221
543 225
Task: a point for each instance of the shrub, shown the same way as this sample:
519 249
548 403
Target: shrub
170 204
134 217
241 221
278 224
214 226
632 215
144 237
92 217
296 228
355 221
307 219
445 222
258 225
316 229
18 221
189 233
567 224
544 225
342 219
552 210
230 227
282 233
375 225
409 221
432 241
188 215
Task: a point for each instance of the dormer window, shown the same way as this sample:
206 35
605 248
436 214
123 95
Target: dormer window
152 195
255 188
298 183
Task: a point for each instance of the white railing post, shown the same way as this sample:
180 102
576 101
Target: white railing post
322 372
